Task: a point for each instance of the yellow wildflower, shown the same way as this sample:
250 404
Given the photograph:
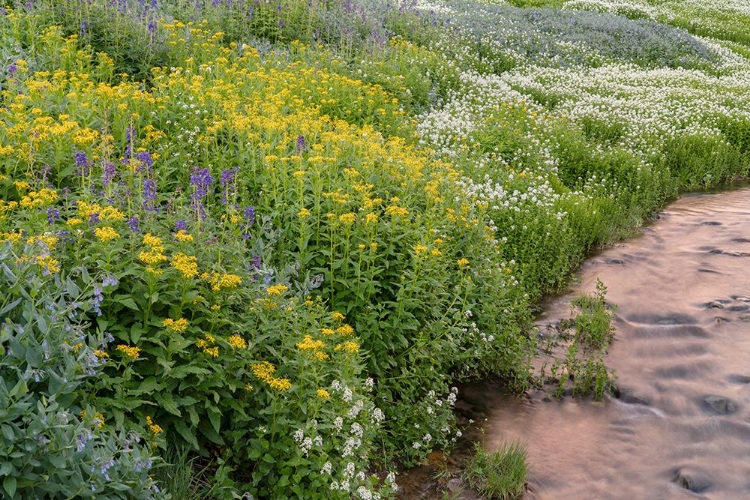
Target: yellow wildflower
248 387
22 185
212 351
186 264
371 218
418 249
347 218
74 222
263 370
308 344
179 325
328 331
320 356
153 242
303 214
157 272
111 213
106 233
237 342
280 384
183 236
462 262
128 351
348 347
323 394
345 330
277 289
49 264
156 429
337 316
152 258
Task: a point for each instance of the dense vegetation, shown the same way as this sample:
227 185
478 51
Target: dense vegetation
273 235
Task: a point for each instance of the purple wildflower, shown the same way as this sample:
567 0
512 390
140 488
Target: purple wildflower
97 300
82 162
110 171
134 224
180 225
301 146
227 180
109 280
200 181
94 218
149 194
12 69
53 215
145 158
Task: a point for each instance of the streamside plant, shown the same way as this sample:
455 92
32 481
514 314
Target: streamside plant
500 474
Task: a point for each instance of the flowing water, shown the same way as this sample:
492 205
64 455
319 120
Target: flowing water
681 426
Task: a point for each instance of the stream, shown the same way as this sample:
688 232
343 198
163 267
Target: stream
681 426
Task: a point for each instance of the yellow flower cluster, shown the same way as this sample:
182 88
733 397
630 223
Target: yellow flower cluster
222 280
237 342
186 264
179 325
106 233
264 371
11 237
308 344
206 343
323 394
85 210
277 289
48 263
462 262
154 428
39 198
183 236
46 241
349 346
303 214
110 213
337 316
128 351
345 330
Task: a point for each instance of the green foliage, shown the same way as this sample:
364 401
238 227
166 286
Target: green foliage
499 474
53 442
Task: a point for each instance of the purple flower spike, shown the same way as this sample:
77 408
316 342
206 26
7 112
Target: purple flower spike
110 171
134 224
301 146
180 225
149 194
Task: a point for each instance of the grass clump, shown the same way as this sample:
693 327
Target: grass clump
500 474
582 371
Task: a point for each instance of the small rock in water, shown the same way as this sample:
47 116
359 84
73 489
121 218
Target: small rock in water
616 262
742 298
455 485
743 307
719 405
715 305
711 223
691 480
739 379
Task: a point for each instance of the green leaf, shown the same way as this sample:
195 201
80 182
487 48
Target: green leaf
10 306
6 469
127 302
168 403
9 485
187 434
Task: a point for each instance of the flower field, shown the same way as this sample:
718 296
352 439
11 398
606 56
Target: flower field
271 237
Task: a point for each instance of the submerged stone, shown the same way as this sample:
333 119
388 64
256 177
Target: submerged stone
691 480
719 405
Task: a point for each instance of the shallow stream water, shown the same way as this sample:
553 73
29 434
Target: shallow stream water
681 426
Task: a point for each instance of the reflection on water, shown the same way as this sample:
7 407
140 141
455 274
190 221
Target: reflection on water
681 428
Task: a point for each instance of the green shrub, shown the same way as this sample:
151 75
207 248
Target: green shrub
54 443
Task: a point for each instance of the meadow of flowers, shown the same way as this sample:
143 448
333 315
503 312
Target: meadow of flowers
273 236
